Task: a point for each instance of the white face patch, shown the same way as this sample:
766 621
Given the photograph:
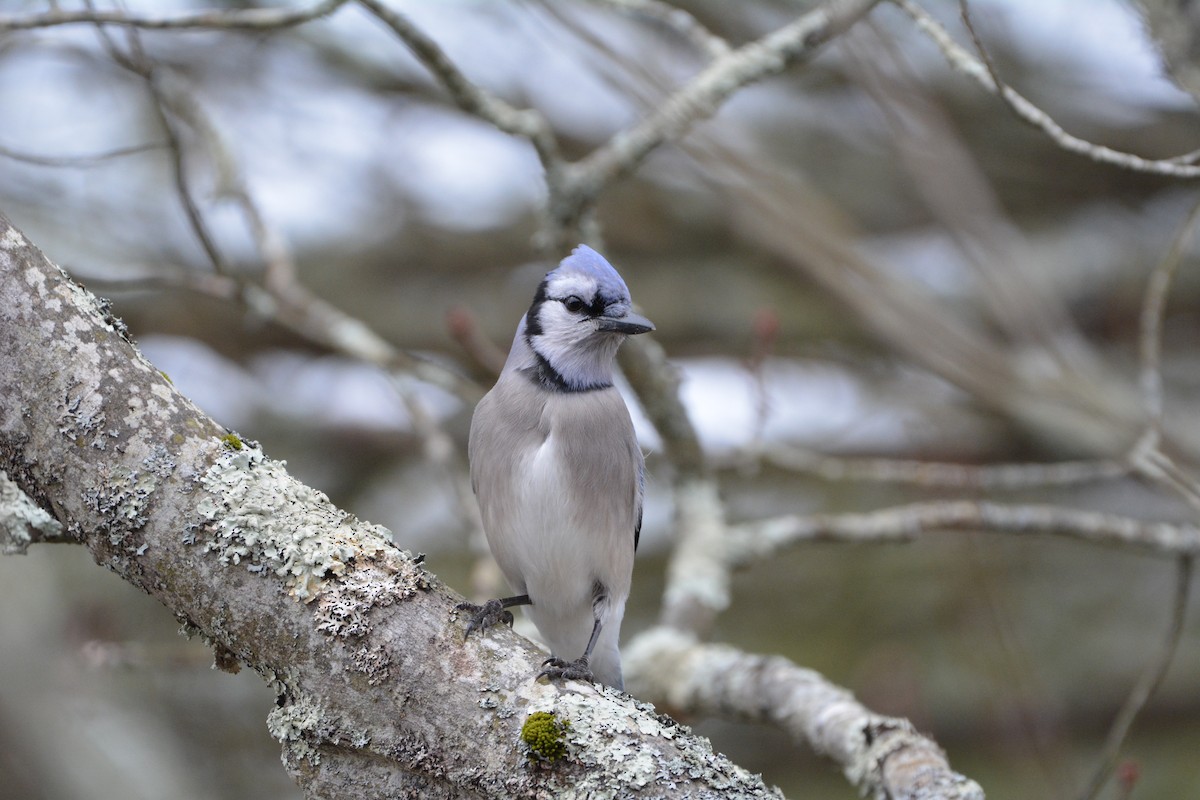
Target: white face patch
570 341
562 286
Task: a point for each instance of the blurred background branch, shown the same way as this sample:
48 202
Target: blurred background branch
257 19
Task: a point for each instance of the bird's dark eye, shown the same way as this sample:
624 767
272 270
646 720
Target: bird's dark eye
574 304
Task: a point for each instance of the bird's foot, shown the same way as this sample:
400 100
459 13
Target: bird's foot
485 616
577 670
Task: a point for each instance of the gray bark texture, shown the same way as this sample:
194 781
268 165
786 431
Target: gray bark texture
378 694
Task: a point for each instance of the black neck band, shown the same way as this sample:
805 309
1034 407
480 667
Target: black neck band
544 374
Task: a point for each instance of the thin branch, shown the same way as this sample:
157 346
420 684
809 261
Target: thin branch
1148 460
1147 456
464 329
1147 684
678 20
255 19
759 540
780 212
704 94
79 161
942 474
1025 110
526 123
167 106
307 316
282 298
1187 158
1026 696
1153 311
179 172
964 11
766 335
1027 309
290 302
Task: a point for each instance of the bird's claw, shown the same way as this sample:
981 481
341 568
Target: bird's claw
577 670
485 616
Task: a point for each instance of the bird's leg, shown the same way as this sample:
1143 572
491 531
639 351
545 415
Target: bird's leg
573 670
492 612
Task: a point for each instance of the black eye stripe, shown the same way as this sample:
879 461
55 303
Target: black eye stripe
575 304
533 323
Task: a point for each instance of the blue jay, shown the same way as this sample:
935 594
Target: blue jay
558 471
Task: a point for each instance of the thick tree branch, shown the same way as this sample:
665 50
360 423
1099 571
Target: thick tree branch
378 693
884 757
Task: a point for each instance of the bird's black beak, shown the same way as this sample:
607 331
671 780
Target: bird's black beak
629 324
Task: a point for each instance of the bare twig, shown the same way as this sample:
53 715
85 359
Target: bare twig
1147 456
257 19
1025 110
679 20
1153 311
574 189
945 475
1091 410
705 93
1022 302
754 541
164 104
161 277
167 105
282 297
464 328
766 334
1147 684
526 123
1150 461
307 316
79 161
1028 697
1187 158
964 11
290 302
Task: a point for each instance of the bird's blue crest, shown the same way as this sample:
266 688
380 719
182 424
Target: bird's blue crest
585 261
